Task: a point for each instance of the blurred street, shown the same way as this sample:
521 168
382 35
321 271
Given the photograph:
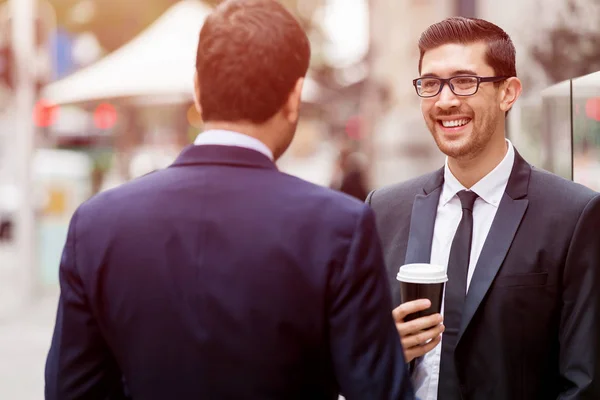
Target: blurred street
24 342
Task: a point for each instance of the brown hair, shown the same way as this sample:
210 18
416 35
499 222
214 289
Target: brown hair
250 55
500 53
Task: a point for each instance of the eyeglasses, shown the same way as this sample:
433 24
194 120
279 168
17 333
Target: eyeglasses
464 85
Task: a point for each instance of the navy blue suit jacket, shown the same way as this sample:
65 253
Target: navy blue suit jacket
222 278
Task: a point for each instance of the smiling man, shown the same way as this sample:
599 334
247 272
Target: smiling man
521 307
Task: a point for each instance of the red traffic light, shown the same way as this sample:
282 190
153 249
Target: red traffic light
105 116
44 113
353 127
592 108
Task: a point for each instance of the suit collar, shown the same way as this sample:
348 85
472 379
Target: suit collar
223 155
519 178
517 185
231 138
435 181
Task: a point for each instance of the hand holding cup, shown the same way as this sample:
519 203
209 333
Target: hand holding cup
418 336
418 318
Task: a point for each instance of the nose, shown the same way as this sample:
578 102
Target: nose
447 99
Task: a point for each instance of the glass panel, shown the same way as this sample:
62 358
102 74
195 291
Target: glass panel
555 138
524 129
586 130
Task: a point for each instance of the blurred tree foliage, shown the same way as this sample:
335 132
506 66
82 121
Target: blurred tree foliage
115 22
571 47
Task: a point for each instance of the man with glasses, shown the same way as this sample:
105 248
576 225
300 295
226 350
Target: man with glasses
521 307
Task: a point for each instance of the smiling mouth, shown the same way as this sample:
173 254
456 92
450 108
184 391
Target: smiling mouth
457 123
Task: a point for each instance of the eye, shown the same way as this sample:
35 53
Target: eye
429 83
464 81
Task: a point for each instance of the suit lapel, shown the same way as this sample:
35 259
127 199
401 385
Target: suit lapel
506 222
422 220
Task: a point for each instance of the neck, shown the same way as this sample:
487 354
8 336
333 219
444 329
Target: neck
469 171
257 131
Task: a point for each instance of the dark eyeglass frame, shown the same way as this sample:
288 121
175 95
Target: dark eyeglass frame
444 81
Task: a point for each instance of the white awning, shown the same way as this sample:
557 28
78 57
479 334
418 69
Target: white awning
158 63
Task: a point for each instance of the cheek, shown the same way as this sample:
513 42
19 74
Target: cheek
426 108
483 107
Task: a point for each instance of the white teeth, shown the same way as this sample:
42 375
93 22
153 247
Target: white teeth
452 124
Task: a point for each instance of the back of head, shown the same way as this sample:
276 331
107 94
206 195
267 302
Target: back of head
500 54
250 55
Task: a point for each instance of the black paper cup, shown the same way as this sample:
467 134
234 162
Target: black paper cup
422 281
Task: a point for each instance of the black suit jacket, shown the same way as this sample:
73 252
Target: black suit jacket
222 278
530 326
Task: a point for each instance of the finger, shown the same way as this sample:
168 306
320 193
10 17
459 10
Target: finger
410 307
420 351
419 324
421 338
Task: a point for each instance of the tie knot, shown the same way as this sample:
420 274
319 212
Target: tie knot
467 199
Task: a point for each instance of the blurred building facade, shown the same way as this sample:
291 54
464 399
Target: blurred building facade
402 145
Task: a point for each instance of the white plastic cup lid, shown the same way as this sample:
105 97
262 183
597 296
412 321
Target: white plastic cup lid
422 273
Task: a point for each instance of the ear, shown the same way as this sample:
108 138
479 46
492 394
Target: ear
197 94
292 106
510 93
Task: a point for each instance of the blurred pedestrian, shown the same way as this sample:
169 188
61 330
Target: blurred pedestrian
349 174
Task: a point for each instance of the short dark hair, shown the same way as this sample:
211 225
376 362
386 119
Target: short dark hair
500 55
250 55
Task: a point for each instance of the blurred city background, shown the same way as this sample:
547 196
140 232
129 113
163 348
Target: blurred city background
94 93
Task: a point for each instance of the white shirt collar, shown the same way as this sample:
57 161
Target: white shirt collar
230 138
490 188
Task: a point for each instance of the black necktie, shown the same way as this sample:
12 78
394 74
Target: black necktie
456 290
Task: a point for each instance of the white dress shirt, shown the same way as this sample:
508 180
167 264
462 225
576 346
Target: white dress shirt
490 190
230 138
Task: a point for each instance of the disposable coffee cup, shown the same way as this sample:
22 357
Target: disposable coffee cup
422 281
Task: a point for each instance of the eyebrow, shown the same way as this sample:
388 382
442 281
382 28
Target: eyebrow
455 73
